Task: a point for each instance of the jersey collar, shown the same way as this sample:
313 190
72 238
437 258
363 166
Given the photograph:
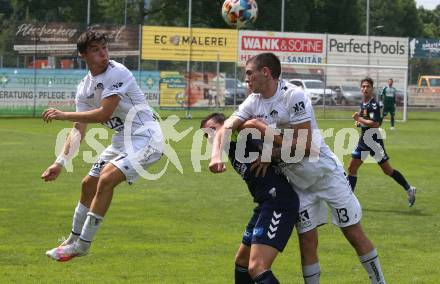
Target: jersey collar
280 86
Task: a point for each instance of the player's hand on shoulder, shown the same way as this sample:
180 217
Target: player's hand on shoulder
52 172
259 167
355 116
53 113
217 166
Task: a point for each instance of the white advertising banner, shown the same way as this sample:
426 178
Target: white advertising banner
388 57
363 50
293 48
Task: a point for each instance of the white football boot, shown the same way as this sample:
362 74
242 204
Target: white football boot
411 192
66 253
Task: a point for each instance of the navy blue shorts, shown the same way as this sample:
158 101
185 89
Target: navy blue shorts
271 224
362 151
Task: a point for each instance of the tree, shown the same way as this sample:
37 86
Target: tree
430 21
337 17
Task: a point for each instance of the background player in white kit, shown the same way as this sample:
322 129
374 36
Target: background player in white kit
108 94
282 105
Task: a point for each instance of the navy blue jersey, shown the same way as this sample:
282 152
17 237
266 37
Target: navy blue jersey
369 111
277 211
273 186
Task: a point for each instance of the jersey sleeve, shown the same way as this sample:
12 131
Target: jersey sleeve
117 83
300 107
245 109
81 103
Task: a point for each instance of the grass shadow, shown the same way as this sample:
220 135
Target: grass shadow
412 212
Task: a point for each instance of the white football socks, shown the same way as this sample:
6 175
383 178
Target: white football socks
371 263
79 217
91 226
311 273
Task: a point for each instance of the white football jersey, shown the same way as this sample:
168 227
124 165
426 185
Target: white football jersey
290 106
118 80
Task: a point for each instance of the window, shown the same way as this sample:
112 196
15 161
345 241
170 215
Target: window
352 89
315 85
297 83
434 82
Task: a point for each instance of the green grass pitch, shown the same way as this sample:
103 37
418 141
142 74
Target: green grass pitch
185 228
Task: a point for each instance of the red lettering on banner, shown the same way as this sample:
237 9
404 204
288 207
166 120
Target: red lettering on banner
282 44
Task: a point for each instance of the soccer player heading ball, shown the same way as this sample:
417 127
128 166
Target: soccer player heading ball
317 176
108 94
272 221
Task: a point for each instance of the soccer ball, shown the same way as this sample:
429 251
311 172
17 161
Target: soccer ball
237 13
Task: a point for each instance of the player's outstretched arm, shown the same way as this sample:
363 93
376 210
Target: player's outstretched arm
216 165
71 146
99 115
52 172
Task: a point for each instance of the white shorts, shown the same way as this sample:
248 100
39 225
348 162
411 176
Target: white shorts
333 190
142 155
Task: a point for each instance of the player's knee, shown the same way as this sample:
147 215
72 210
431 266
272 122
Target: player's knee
355 235
388 171
256 267
308 243
308 240
105 181
352 170
88 185
242 259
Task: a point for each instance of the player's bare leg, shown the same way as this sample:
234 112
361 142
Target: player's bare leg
88 190
366 252
308 244
89 186
242 265
109 178
400 179
260 263
352 172
360 242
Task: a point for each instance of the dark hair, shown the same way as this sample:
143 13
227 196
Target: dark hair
268 60
217 116
87 37
391 79
368 80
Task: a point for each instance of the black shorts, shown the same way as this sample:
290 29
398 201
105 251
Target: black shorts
271 224
362 150
389 109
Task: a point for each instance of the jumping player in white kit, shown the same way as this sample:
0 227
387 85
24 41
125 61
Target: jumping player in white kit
109 95
317 176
